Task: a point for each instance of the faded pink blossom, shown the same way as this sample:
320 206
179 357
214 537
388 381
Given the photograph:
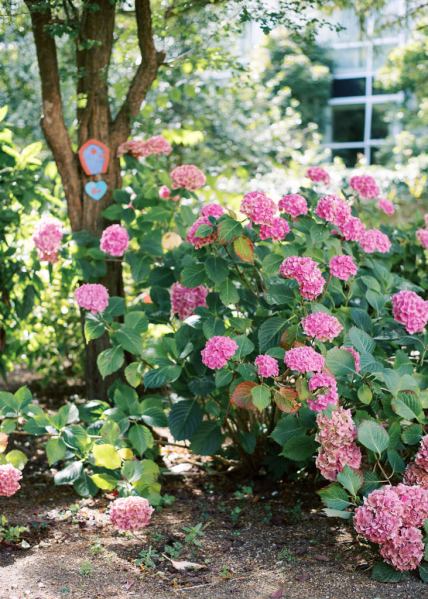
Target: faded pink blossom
365 186
130 513
336 435
266 366
92 296
322 326
415 504
193 238
355 355
318 175
9 480
259 208
373 240
47 239
421 458
217 351
381 515
139 148
331 463
333 209
386 206
422 237
415 475
352 229
405 550
185 300
304 359
410 310
321 401
114 240
277 230
187 176
343 267
293 204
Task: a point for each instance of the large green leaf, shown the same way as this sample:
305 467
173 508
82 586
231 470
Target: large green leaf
140 437
106 456
55 450
340 362
153 379
373 436
261 397
335 497
228 229
299 448
217 269
361 341
193 275
384 573
351 480
207 439
270 331
407 405
69 474
184 418
110 360
129 340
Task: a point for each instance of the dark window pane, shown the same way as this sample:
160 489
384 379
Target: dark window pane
343 88
349 156
348 123
380 121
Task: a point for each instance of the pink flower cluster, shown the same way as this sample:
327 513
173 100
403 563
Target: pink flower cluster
185 300
343 267
322 380
355 355
114 240
422 237
266 366
259 208
304 359
307 274
365 186
386 206
333 209
214 210
352 229
47 239
392 517
276 231
318 175
92 296
217 351
322 326
210 210
410 310
187 176
417 472
336 435
9 480
130 513
373 240
139 148
293 204
165 194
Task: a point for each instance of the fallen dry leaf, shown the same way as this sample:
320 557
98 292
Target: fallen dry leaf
182 565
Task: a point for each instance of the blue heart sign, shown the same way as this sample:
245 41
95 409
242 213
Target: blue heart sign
94 157
96 189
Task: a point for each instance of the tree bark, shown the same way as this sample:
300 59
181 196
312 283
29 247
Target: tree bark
93 53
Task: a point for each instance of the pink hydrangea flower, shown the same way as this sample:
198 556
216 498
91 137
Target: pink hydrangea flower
352 229
47 239
277 230
422 237
318 175
415 475
415 504
130 513
365 186
193 238
307 274
9 480
114 240
139 148
421 458
333 209
343 267
165 192
187 176
381 515
373 240
214 210
322 380
93 297
293 204
217 351
386 206
405 550
304 359
410 310
355 355
258 207
322 326
134 147
331 463
185 300
266 366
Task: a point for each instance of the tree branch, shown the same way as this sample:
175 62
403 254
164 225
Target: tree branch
52 121
144 76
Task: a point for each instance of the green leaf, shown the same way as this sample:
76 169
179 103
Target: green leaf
228 293
244 249
17 458
132 470
222 378
365 394
140 437
423 571
287 427
337 514
106 482
270 331
407 405
207 439
245 347
110 360
193 275
397 463
228 229
376 300
361 341
412 434
106 456
351 480
261 397
217 269
184 418
55 450
373 436
132 374
93 328
129 340
385 573
153 379
299 448
340 362
69 474
335 497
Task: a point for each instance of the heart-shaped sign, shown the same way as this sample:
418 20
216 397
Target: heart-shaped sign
96 189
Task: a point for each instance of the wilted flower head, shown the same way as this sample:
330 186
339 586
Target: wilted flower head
92 296
130 513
